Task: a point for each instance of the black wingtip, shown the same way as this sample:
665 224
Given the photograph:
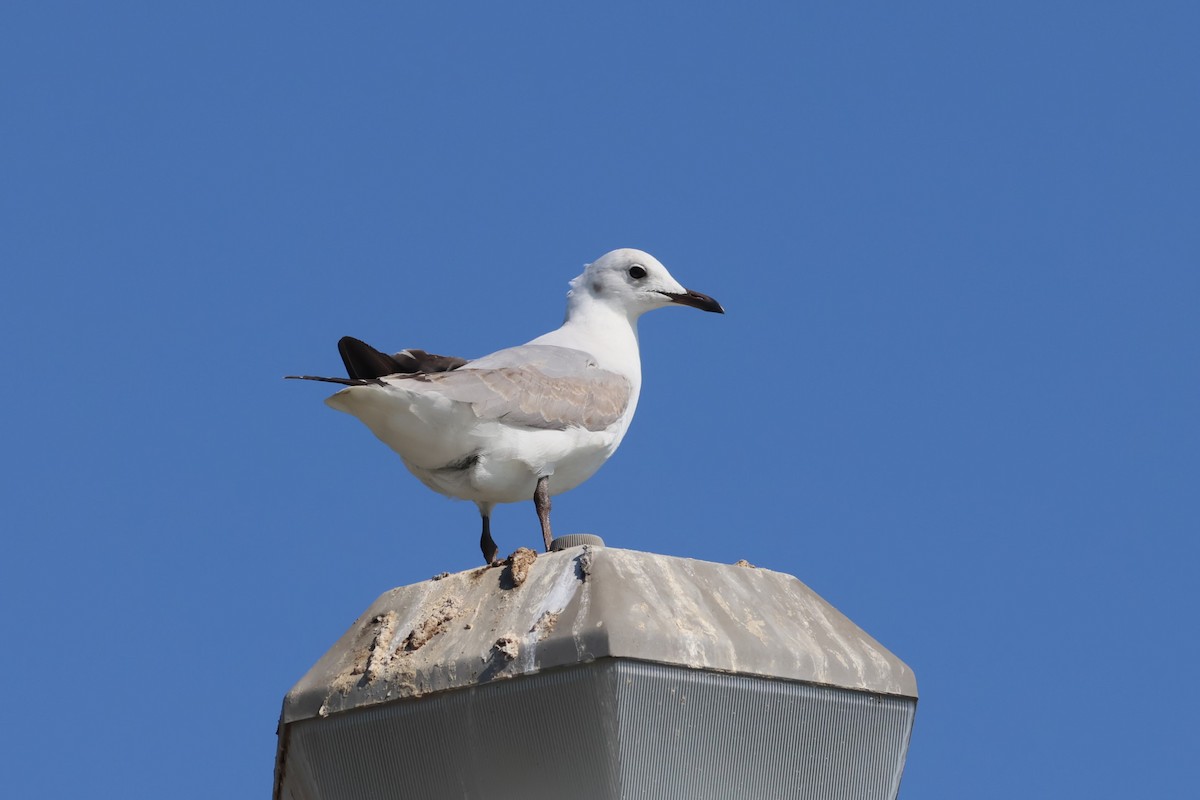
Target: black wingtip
364 361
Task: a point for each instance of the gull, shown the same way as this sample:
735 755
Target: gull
531 421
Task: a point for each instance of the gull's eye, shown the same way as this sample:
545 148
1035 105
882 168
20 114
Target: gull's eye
637 272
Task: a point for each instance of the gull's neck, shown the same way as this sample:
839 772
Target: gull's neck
607 332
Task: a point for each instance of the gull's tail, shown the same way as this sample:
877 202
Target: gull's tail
342 381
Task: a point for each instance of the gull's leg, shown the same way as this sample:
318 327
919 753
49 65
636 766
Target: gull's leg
541 501
485 539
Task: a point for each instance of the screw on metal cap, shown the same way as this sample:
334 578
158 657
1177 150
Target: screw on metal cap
575 540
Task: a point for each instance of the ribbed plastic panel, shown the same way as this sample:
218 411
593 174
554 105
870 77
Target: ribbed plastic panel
694 734
609 729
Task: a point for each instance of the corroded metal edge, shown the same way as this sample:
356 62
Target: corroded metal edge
584 603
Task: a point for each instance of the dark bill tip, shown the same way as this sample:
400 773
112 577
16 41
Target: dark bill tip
695 300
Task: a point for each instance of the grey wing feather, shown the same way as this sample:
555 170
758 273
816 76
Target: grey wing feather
559 362
538 386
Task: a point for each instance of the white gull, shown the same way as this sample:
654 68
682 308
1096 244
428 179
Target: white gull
525 422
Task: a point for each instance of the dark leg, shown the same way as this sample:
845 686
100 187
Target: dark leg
485 541
541 501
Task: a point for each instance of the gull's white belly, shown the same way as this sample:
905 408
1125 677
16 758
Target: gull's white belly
507 471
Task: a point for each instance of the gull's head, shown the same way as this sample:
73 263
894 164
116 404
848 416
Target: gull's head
635 282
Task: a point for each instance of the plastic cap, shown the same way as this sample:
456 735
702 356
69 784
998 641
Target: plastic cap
575 540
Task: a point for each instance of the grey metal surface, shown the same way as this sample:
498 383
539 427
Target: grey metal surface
609 729
559 609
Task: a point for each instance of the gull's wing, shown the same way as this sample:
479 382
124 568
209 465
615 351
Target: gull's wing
538 386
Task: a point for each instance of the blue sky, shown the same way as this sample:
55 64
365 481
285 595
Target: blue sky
955 391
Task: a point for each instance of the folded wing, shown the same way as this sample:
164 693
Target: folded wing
536 386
